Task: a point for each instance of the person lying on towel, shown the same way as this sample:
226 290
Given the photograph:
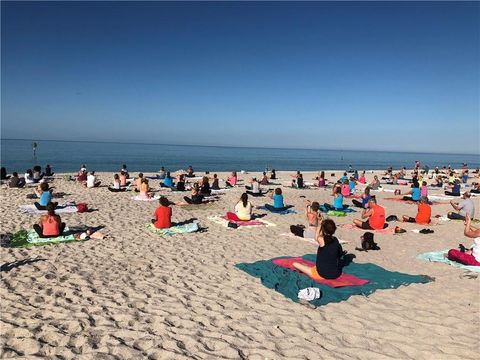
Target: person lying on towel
423 215
375 215
328 254
50 225
469 257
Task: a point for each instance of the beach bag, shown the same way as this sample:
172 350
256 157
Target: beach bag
82 207
232 225
368 243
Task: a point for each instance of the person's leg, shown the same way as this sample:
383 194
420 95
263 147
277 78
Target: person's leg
357 203
38 206
455 216
328 206
358 223
61 228
248 187
228 184
407 198
97 184
409 219
307 270
297 230
38 230
187 200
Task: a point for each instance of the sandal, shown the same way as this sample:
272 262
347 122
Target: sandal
399 230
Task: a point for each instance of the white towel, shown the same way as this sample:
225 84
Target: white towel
310 294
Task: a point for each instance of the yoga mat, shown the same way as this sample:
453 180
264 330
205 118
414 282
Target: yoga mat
141 198
61 209
438 256
241 224
388 231
29 238
174 230
288 282
343 280
283 212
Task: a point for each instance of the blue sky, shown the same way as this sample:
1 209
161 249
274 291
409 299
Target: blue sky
347 75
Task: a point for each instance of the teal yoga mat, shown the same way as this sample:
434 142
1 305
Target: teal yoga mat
288 282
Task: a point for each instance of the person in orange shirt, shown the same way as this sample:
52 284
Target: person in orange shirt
163 214
423 215
375 215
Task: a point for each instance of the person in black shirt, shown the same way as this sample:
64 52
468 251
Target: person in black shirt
328 255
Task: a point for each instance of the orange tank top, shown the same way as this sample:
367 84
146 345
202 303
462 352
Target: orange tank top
377 219
50 226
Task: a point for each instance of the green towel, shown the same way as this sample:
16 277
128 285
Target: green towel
29 238
288 282
179 229
439 256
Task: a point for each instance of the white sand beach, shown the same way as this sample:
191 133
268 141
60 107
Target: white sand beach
138 295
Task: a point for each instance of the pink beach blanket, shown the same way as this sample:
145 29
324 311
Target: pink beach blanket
381 231
342 280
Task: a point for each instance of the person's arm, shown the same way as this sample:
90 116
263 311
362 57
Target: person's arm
366 213
307 209
470 231
319 237
455 205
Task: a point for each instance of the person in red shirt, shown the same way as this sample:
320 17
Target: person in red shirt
163 214
375 215
423 215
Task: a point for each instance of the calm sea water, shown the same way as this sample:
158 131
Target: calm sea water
67 156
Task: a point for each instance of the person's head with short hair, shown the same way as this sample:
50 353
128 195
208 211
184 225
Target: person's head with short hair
168 174
124 166
345 173
315 206
50 209
15 174
116 177
264 173
278 191
164 201
92 172
328 228
424 183
44 186
140 175
424 200
214 176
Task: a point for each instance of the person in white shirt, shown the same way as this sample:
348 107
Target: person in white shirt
243 210
92 180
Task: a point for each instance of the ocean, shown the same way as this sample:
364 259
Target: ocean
67 156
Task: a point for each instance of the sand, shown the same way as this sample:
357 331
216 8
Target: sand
140 295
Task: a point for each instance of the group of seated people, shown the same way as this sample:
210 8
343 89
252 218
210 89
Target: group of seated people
31 176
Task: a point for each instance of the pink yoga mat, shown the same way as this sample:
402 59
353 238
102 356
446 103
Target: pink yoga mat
245 223
381 231
342 280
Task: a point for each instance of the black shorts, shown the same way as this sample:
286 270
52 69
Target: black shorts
366 225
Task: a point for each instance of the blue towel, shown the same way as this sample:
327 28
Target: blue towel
439 256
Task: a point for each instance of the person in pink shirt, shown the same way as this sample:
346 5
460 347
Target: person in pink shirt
232 180
424 189
362 179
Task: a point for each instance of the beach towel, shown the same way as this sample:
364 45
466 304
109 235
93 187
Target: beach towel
222 220
29 238
439 256
387 231
289 283
416 202
343 280
141 198
220 191
309 240
174 230
283 212
326 210
60 209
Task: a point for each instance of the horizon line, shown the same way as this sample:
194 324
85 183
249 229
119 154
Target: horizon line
238 147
